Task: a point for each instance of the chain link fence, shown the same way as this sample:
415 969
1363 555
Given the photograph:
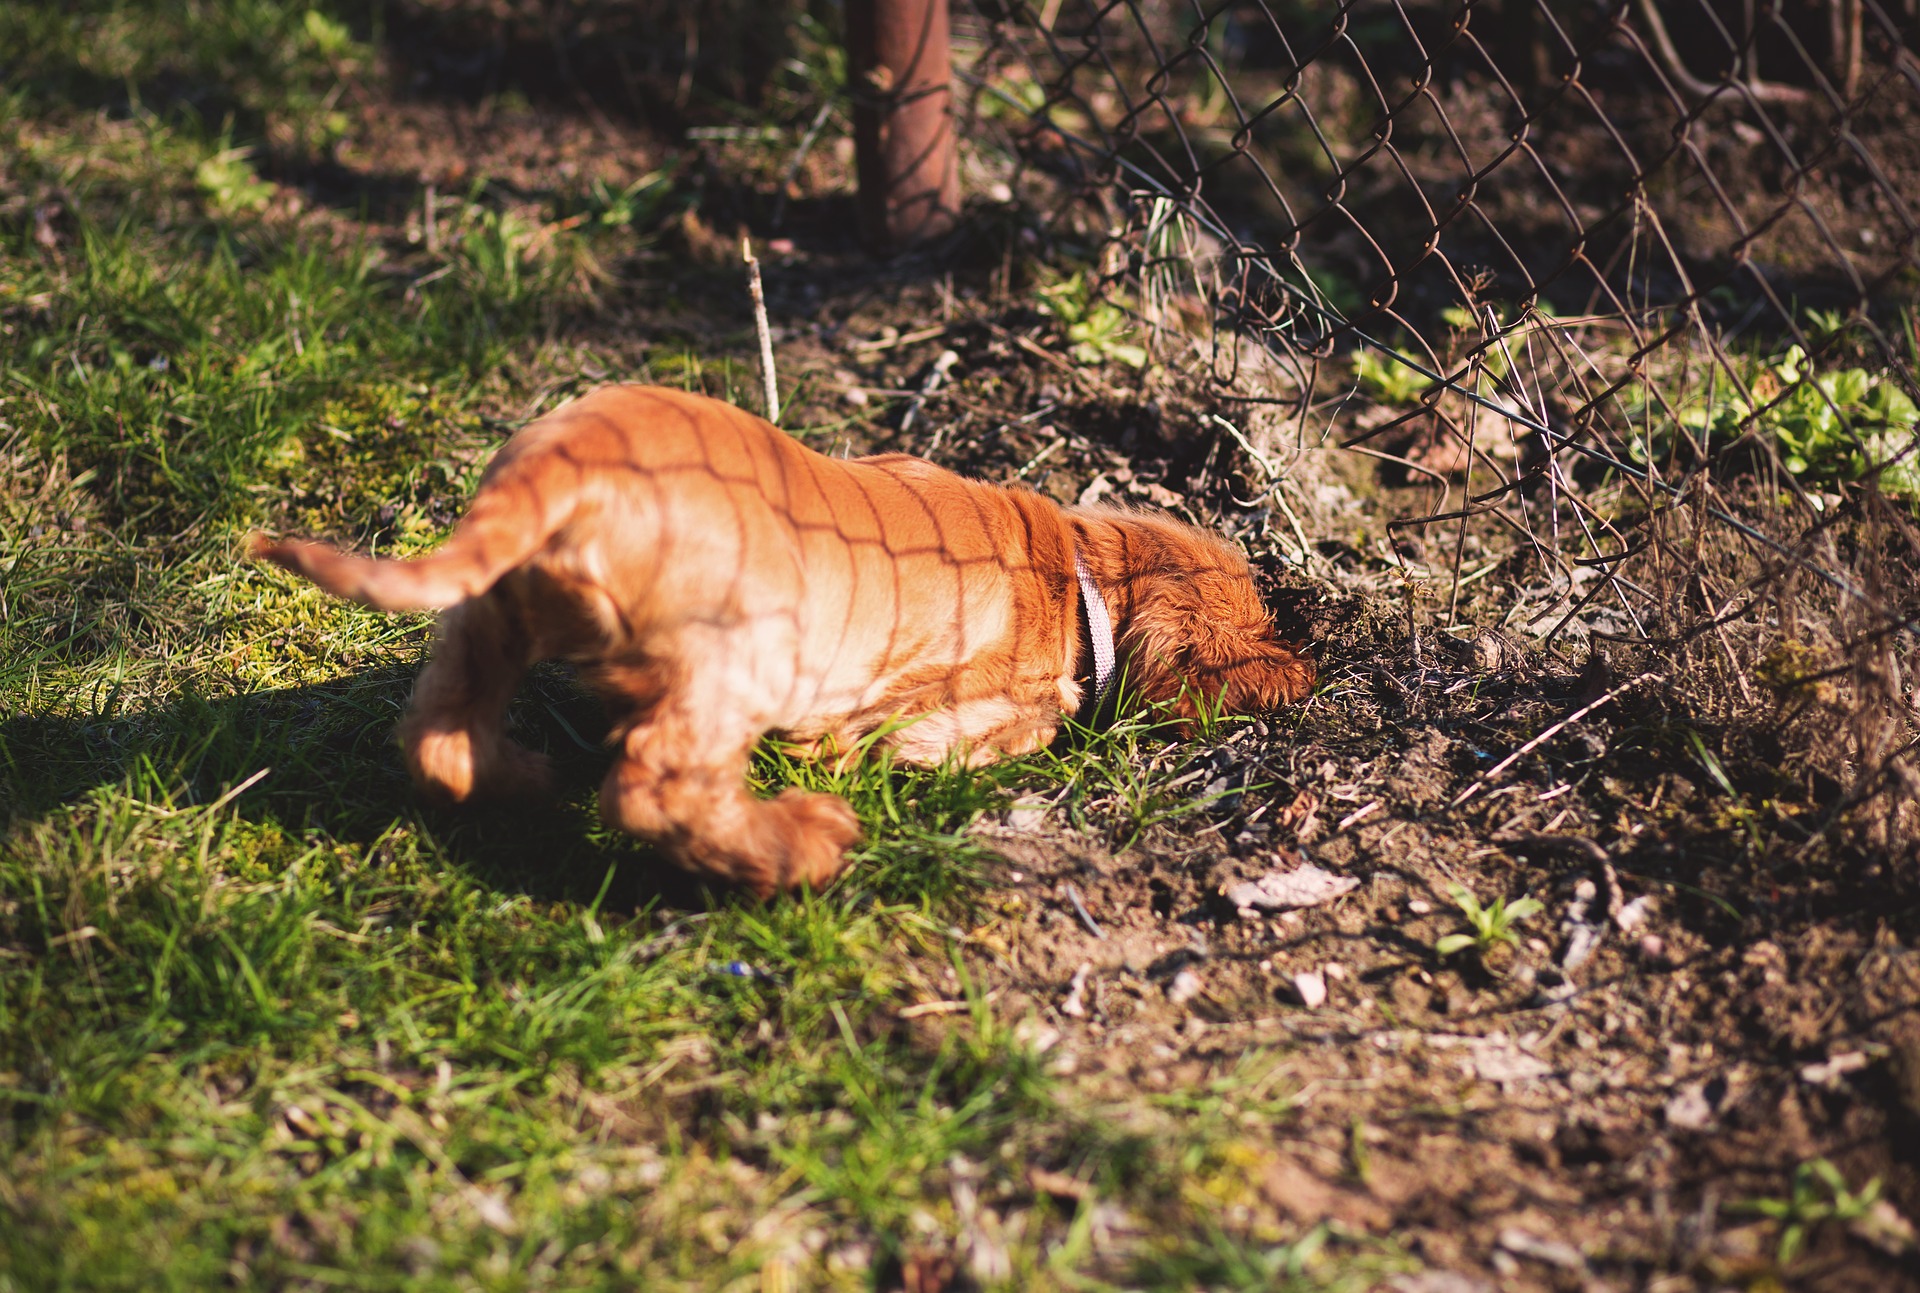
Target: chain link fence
1634 283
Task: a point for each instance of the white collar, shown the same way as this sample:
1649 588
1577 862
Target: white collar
1099 632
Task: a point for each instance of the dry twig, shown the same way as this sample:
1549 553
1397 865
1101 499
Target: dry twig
765 333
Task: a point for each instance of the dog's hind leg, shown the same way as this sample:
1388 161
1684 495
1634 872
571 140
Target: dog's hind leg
682 784
454 737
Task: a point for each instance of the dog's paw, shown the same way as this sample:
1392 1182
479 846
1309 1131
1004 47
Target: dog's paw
454 766
441 763
521 773
815 833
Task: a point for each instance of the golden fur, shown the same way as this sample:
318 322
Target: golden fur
716 580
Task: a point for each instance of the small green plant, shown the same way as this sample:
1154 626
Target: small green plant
1013 95
1824 325
512 258
1491 924
1811 423
1495 362
1389 380
328 37
1818 1194
1718 772
1326 1258
1098 329
1258 1088
228 183
1840 425
635 205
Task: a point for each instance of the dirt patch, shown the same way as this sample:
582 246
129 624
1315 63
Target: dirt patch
1602 1102
1614 1107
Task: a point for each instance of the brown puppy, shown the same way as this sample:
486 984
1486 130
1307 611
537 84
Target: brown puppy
716 580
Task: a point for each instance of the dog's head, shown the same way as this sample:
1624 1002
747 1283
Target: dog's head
1193 634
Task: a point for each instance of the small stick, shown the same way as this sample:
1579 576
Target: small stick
1267 469
772 391
1073 896
1358 815
234 792
942 1007
1042 456
938 374
1480 782
799 158
904 339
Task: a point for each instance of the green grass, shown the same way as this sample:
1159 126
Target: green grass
265 1019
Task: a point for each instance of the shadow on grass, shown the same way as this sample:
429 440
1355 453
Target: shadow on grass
331 768
649 62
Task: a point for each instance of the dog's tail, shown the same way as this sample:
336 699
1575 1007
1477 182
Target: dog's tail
502 529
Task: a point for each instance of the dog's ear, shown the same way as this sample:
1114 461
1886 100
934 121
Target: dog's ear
1195 637
1200 640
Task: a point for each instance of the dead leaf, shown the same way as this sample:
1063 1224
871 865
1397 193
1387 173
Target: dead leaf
1500 1059
1297 815
1076 1002
1305 886
1157 494
1097 488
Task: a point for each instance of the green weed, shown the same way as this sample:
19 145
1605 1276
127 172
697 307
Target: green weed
1717 772
1218 1259
1490 925
1255 1089
637 205
1818 1194
1386 379
1098 329
229 184
1838 425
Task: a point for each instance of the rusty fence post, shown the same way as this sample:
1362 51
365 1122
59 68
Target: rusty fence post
901 83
